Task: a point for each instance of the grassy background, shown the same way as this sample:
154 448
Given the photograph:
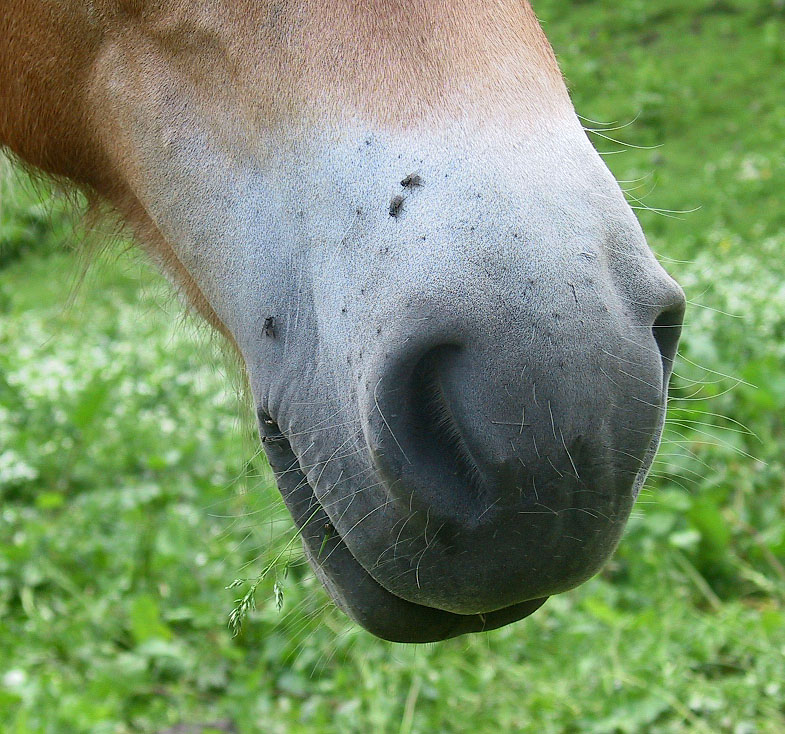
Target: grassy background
131 495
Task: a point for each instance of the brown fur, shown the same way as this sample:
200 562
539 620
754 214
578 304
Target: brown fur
254 66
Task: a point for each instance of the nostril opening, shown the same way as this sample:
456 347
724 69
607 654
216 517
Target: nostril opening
436 436
667 330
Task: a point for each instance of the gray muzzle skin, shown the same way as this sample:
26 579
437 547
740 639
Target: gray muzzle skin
467 387
355 591
463 397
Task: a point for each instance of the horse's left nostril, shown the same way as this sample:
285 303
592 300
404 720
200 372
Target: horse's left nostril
667 330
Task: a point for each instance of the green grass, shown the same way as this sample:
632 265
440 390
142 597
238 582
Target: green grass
131 495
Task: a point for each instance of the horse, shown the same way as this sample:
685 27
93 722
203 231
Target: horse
456 338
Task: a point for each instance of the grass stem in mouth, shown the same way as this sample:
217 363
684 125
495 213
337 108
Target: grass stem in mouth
247 602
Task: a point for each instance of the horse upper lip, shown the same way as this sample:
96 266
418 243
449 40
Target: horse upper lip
353 588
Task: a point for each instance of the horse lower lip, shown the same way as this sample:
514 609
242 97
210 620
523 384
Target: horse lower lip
352 588
393 618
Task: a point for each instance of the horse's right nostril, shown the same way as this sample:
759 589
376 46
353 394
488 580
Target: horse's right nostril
421 448
436 436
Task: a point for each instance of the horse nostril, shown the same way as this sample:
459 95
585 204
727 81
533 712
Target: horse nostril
436 434
667 330
420 440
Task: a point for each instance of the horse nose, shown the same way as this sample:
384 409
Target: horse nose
667 325
524 407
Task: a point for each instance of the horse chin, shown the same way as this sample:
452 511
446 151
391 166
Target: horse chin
353 589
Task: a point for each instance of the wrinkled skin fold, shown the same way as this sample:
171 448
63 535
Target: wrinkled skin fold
457 339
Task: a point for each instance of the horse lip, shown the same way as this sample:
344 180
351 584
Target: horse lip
651 451
393 618
353 589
